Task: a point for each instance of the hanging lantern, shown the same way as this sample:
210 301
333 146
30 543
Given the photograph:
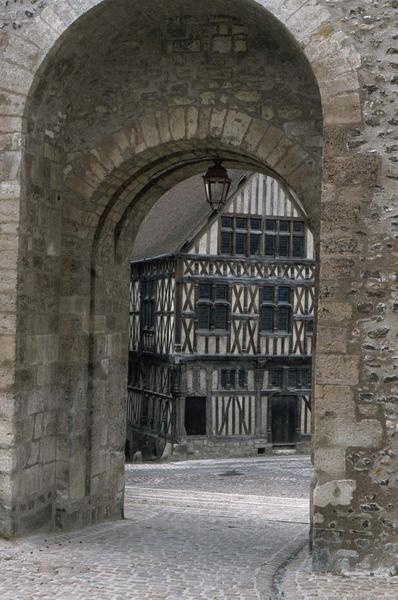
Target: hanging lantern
217 184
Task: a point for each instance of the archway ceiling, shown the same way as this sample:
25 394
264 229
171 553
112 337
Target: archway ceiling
126 57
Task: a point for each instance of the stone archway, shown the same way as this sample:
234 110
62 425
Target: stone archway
73 194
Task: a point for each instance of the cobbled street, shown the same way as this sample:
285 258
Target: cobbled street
210 530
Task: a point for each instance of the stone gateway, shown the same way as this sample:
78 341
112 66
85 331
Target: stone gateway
106 105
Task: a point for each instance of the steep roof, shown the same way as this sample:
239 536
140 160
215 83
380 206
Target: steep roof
176 217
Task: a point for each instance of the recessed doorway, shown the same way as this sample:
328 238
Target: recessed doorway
283 420
195 415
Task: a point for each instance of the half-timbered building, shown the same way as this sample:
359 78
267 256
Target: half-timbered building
221 323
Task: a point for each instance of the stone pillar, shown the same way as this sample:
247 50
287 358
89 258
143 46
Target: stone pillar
348 432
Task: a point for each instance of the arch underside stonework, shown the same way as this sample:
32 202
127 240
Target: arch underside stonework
101 116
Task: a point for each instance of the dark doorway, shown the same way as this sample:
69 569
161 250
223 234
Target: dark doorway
195 415
284 417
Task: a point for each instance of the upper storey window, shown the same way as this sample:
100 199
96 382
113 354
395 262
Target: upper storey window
254 236
148 301
276 310
284 238
212 307
241 236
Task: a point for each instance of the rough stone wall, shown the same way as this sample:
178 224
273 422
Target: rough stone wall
360 517
90 171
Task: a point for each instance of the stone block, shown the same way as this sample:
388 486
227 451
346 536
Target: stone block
330 463
337 369
334 401
335 493
332 339
177 123
150 130
162 119
236 126
333 314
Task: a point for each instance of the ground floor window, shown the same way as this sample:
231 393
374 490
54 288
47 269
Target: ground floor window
233 379
195 415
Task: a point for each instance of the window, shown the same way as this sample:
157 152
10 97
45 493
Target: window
299 378
241 235
310 327
276 309
212 306
148 294
284 238
275 378
233 379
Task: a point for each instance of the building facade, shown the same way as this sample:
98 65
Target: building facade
221 332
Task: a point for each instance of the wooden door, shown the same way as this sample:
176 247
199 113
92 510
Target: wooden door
195 415
283 420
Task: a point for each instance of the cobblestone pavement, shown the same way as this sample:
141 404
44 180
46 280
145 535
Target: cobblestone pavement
297 582
207 530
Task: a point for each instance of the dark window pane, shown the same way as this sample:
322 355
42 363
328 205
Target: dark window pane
204 291
298 227
310 326
255 244
255 224
226 242
242 378
270 225
283 294
269 245
284 245
221 292
292 378
284 226
220 317
268 294
228 378
307 378
232 378
226 222
275 377
298 246
283 321
203 316
223 378
240 243
267 318
241 223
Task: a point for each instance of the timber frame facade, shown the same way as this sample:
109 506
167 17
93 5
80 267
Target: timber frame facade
221 332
